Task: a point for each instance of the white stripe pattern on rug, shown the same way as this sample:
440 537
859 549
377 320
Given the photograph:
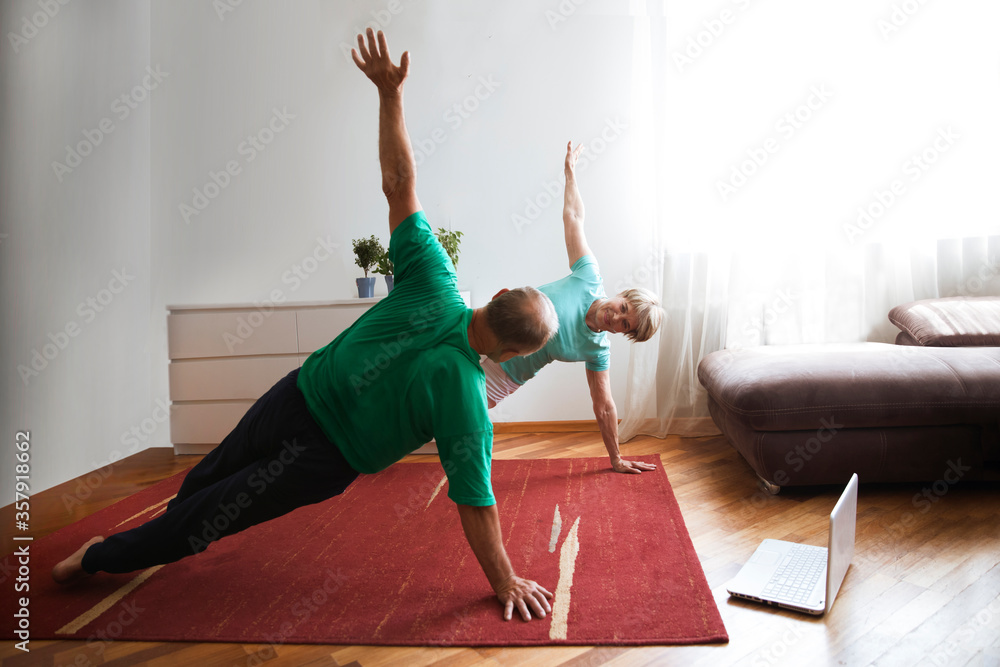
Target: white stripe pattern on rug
556 529
567 566
95 612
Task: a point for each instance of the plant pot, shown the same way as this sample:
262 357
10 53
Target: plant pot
388 284
366 287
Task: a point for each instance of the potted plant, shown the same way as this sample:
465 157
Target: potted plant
385 268
450 242
366 255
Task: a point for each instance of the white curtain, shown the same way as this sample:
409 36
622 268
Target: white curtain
802 169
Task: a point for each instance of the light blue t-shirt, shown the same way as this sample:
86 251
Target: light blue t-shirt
572 297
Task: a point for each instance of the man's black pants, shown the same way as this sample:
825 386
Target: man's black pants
275 460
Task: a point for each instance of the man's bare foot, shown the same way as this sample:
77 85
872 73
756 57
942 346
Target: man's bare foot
71 569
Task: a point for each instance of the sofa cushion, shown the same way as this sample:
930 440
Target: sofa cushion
857 385
951 322
899 454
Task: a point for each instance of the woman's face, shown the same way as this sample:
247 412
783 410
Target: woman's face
615 315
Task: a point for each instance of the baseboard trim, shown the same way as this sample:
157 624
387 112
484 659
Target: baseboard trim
182 449
579 426
584 426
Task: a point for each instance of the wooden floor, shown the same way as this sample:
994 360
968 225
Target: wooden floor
924 587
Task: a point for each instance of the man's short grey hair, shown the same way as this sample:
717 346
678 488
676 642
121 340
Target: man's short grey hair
522 319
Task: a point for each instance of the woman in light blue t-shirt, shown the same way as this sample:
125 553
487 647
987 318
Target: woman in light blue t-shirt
586 314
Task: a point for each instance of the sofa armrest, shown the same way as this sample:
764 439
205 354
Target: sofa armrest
949 322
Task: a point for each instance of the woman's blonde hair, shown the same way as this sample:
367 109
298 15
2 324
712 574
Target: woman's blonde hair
648 313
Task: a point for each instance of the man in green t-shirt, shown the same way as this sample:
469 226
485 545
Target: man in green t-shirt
405 372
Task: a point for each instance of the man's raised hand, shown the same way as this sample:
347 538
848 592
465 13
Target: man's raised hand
375 62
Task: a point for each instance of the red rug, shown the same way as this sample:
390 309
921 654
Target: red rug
387 563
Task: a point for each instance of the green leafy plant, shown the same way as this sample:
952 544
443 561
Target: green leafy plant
384 265
450 242
367 252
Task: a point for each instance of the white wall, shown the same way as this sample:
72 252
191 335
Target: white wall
319 175
76 374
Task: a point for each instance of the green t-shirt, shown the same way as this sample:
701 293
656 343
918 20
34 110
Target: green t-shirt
574 341
404 373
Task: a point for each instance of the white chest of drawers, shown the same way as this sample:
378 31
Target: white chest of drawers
224 357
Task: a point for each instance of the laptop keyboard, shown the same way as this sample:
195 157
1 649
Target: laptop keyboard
797 575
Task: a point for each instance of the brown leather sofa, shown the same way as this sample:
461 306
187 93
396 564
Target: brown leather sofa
815 414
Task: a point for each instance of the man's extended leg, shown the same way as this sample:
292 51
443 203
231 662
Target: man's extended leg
257 434
299 467
302 473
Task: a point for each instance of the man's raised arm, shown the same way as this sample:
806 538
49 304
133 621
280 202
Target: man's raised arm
395 154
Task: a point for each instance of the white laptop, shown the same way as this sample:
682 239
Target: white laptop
802 577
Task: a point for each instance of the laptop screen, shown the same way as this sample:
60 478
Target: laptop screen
841 544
